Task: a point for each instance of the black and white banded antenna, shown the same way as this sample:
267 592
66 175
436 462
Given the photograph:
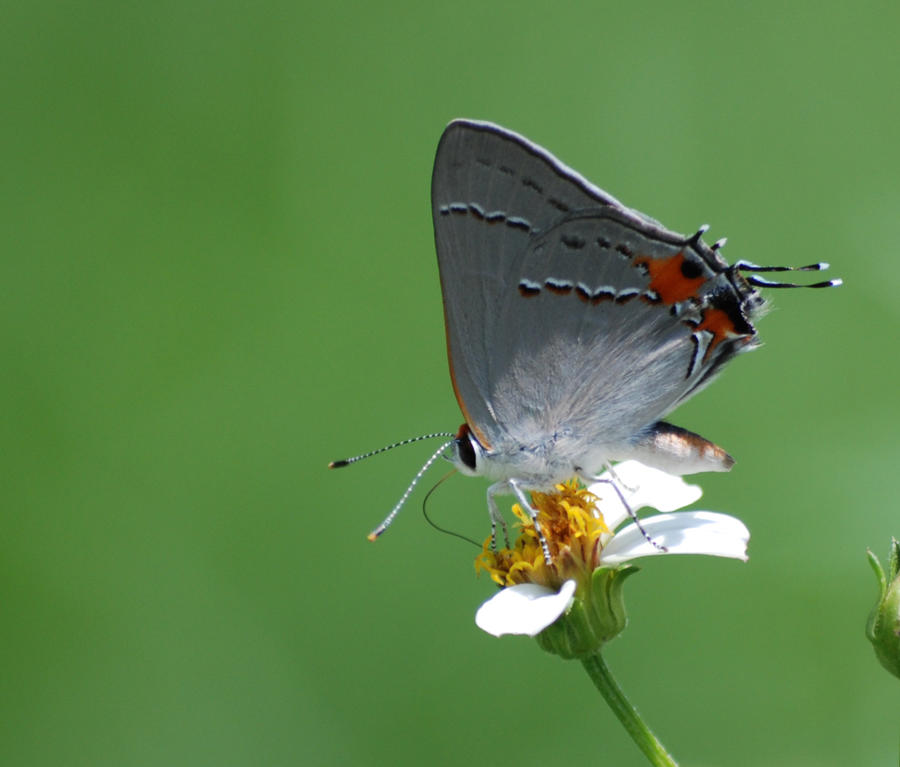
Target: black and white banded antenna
403 498
760 282
347 461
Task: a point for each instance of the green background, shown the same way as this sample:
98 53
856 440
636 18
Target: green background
218 274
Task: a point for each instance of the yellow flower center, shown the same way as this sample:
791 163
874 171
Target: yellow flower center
575 533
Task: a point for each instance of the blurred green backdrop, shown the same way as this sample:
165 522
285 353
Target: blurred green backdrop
218 274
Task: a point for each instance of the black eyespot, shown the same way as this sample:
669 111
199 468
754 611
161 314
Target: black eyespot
690 270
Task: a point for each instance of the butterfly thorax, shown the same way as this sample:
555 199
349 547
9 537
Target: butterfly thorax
539 463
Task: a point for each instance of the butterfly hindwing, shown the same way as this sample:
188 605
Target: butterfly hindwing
566 312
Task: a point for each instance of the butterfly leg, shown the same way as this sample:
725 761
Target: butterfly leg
533 513
618 480
614 483
495 515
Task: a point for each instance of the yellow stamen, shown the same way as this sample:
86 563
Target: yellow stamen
575 533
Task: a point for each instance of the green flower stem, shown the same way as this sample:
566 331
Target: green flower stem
628 714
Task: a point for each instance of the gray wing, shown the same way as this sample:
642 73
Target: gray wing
553 326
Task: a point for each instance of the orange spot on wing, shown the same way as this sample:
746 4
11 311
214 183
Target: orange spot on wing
717 322
668 280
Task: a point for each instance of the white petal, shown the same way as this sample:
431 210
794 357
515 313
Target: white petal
687 532
643 486
524 609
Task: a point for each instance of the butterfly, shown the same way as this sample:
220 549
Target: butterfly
574 324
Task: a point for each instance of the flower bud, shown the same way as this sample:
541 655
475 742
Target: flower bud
883 628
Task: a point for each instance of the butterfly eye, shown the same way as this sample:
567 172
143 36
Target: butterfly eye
464 449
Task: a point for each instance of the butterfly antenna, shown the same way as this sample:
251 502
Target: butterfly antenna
747 266
347 461
390 517
437 526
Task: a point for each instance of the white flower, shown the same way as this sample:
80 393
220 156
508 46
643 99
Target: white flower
524 609
528 608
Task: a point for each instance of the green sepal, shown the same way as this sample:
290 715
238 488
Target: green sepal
879 573
894 559
596 615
